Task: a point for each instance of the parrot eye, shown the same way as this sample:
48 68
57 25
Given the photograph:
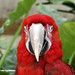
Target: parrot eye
24 28
51 28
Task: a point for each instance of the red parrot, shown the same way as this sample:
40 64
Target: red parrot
40 49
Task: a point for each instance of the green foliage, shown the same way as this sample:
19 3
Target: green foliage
67 36
61 1
73 61
22 8
69 3
47 10
4 73
11 60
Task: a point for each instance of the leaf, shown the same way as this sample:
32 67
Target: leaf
22 8
67 36
72 60
61 1
66 61
47 10
10 61
4 73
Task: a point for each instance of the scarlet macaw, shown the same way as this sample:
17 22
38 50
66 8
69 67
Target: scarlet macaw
40 48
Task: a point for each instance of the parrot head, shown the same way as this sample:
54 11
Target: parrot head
39 32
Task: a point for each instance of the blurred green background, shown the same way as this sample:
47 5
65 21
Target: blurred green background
12 14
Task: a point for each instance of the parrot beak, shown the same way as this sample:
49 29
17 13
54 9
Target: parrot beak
36 34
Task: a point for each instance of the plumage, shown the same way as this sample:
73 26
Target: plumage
50 61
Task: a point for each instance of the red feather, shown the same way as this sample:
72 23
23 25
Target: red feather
50 63
58 68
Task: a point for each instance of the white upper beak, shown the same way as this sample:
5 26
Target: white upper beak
37 37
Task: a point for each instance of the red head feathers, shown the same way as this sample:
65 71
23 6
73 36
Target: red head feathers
27 57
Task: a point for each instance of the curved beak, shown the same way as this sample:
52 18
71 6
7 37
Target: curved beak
36 34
